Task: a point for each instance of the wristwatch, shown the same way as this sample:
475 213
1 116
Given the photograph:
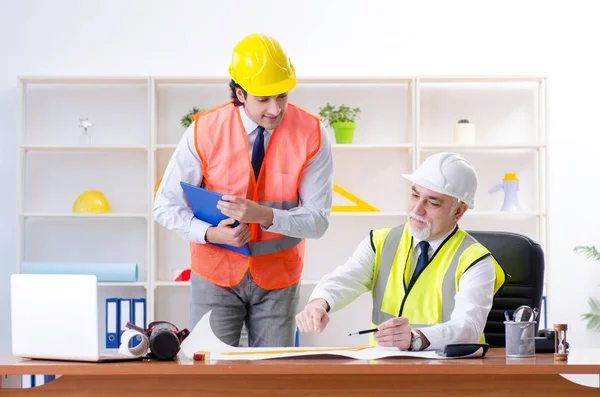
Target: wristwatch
416 342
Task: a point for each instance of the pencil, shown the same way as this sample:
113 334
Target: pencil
296 351
366 331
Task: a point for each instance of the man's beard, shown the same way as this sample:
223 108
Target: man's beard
419 234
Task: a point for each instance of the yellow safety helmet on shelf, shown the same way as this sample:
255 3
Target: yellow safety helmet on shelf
91 201
261 67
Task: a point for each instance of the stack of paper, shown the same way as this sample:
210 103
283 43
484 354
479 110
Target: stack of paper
202 338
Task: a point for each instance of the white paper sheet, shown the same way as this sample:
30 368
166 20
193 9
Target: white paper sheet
202 338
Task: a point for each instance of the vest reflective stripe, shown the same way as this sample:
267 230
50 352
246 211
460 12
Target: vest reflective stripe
460 249
388 255
449 284
280 205
272 246
282 243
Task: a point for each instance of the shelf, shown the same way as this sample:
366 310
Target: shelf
354 80
350 80
351 214
351 146
343 146
504 214
123 284
187 283
82 148
481 79
191 80
480 147
339 146
90 215
170 146
469 213
95 80
171 283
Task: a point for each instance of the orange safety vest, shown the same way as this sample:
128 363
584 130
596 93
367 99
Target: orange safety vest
222 145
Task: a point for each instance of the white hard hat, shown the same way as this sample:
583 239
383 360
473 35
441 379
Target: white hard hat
447 173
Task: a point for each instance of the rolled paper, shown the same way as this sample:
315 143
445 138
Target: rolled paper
104 271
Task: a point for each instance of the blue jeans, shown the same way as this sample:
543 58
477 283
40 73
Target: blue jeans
269 314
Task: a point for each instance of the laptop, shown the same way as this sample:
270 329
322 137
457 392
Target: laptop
55 317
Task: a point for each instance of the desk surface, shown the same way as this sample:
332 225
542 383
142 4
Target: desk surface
581 361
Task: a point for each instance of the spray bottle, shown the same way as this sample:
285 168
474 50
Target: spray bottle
510 186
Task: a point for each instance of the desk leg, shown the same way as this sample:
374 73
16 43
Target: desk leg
306 385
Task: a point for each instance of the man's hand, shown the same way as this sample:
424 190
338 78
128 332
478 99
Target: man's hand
314 317
225 234
246 211
394 332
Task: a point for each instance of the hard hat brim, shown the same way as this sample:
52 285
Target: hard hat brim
278 88
431 186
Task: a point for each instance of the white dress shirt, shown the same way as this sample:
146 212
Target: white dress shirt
473 298
311 220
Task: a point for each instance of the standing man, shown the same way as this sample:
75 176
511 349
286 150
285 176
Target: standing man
272 162
432 283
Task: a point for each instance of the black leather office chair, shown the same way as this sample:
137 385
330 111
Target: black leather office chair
523 261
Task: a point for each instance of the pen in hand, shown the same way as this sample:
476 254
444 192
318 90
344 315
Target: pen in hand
366 331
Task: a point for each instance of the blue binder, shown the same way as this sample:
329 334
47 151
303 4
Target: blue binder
27 381
49 378
112 323
125 316
204 206
139 318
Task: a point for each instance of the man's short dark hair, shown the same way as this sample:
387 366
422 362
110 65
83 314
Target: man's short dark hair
233 86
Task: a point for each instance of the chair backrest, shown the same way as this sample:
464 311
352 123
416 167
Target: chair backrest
523 261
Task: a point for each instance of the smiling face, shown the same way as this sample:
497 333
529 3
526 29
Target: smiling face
266 111
431 214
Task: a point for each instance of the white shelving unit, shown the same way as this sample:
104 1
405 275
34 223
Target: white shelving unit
136 127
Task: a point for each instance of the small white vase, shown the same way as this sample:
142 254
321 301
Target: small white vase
464 133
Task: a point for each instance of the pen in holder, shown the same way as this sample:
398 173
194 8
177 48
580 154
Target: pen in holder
520 338
560 342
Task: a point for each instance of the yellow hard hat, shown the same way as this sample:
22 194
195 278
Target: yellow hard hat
91 201
261 67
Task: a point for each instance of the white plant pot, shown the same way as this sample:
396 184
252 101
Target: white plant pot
464 134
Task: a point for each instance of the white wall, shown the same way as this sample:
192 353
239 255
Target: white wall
350 37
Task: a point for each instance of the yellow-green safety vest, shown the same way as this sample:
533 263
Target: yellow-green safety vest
429 299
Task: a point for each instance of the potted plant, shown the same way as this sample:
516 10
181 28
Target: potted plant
592 318
186 120
341 119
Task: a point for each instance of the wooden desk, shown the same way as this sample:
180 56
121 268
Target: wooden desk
493 376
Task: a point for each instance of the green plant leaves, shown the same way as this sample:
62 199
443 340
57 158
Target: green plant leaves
589 251
593 318
343 113
186 120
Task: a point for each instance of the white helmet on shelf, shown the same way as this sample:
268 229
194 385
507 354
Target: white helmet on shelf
447 173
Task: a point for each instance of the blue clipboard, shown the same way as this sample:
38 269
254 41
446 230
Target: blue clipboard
204 206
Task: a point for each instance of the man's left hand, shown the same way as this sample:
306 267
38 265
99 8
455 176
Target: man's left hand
245 211
394 332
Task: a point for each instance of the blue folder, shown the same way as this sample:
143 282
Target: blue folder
204 206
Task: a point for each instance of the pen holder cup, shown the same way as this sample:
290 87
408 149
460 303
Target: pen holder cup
520 338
